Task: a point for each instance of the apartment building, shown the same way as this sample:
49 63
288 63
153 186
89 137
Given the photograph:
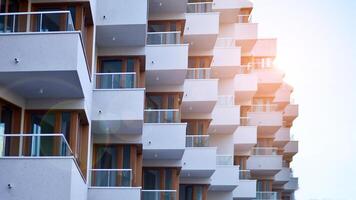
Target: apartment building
151 100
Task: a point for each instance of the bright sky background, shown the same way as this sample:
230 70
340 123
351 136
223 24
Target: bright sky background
317 50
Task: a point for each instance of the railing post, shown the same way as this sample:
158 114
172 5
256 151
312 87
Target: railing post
41 22
20 145
13 23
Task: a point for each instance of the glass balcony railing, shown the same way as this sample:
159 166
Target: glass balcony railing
225 42
111 177
200 7
115 80
244 18
244 174
159 195
197 141
34 145
51 21
266 195
224 160
226 100
162 116
161 38
198 73
264 151
264 108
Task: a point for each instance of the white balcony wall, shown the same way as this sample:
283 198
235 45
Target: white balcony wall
111 109
223 142
245 190
133 193
226 86
282 176
200 95
265 118
164 60
225 178
245 137
163 141
269 76
265 48
292 184
291 111
291 147
231 4
202 23
283 94
267 165
219 195
40 67
199 162
282 137
245 88
225 119
245 31
54 178
226 61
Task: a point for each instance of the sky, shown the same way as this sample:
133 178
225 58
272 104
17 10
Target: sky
317 50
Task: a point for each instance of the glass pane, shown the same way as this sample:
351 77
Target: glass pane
111 66
106 158
168 179
151 179
198 192
154 102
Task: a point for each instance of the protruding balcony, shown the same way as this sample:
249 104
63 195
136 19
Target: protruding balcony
282 137
264 161
290 112
246 188
165 55
229 9
292 184
245 88
266 118
245 137
258 48
198 162
202 26
111 112
159 7
200 92
121 23
282 96
282 176
269 79
221 182
42 56
225 115
291 148
44 160
227 60
163 135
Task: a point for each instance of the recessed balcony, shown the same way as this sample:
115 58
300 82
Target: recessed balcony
163 140
201 28
225 116
121 23
198 162
245 137
40 59
165 57
245 88
200 92
44 160
264 161
111 112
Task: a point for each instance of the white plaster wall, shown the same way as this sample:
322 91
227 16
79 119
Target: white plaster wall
167 57
219 195
200 90
202 23
133 193
223 142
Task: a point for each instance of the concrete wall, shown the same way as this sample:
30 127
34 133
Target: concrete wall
41 179
167 57
114 193
200 90
202 23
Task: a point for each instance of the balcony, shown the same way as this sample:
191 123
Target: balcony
290 112
258 48
266 195
225 117
282 95
245 137
282 176
221 182
227 60
159 7
121 23
243 33
159 194
246 188
229 9
264 161
165 57
269 80
112 113
30 61
245 88
201 30
200 94
44 160
110 193
291 148
267 120
163 141
197 141
292 185
198 162
104 178
282 137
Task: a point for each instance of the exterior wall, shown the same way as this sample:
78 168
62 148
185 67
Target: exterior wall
114 193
